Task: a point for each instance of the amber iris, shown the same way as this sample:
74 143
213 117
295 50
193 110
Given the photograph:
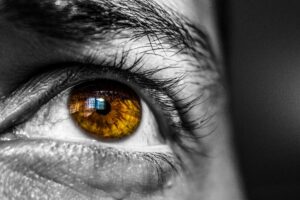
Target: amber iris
105 109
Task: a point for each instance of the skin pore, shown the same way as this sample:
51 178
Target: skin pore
183 63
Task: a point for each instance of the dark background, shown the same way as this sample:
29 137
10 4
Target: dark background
262 41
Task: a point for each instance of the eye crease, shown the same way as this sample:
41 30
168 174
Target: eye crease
105 109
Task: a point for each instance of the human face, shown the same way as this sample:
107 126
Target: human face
166 53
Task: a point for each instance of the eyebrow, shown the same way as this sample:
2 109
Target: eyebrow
98 20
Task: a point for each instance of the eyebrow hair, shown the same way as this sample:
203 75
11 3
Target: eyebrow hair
98 20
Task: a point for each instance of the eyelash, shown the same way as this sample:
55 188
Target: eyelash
160 91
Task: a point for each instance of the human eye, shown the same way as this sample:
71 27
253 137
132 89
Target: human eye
95 114
88 87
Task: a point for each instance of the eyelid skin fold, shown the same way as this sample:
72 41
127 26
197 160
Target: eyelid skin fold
90 170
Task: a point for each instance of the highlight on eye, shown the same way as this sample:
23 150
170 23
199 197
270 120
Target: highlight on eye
105 109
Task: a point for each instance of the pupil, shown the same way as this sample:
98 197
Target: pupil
102 106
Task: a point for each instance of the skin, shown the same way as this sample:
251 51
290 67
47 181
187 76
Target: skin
211 177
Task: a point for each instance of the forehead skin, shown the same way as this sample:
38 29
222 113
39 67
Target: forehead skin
200 12
22 50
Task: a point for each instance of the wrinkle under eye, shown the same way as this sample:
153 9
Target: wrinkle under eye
105 109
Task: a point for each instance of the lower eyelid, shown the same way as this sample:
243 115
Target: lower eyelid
106 169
